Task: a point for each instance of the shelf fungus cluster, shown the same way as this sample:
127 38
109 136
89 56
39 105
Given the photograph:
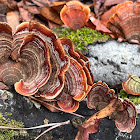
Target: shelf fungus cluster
124 22
124 113
37 63
101 98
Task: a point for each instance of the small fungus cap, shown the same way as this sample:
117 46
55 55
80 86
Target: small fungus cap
75 15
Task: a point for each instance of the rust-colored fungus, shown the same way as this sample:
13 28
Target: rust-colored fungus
35 61
124 114
86 68
43 65
76 87
125 22
107 15
21 31
102 98
66 102
59 61
37 51
132 85
75 15
69 49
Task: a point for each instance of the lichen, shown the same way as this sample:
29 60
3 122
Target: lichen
134 98
8 134
82 37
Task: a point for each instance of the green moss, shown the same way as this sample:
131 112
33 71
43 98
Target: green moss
134 98
8 134
82 37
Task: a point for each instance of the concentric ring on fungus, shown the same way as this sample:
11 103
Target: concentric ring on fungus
33 50
125 22
75 15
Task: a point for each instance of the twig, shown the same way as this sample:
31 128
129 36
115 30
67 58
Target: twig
36 127
47 104
62 123
114 86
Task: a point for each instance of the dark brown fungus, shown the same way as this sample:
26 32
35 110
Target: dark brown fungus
125 22
74 14
98 97
102 98
125 119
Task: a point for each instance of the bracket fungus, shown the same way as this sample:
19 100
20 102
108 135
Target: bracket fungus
76 85
33 57
125 22
102 98
5 41
132 85
38 63
74 14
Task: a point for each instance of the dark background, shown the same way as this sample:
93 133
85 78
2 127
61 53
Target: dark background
25 111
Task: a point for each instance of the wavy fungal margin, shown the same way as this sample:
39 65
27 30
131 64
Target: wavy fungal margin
37 63
31 51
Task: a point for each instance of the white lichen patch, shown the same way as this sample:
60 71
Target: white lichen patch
112 61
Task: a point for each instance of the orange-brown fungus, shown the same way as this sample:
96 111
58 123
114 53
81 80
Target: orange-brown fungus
125 22
107 15
32 48
76 80
75 15
43 65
